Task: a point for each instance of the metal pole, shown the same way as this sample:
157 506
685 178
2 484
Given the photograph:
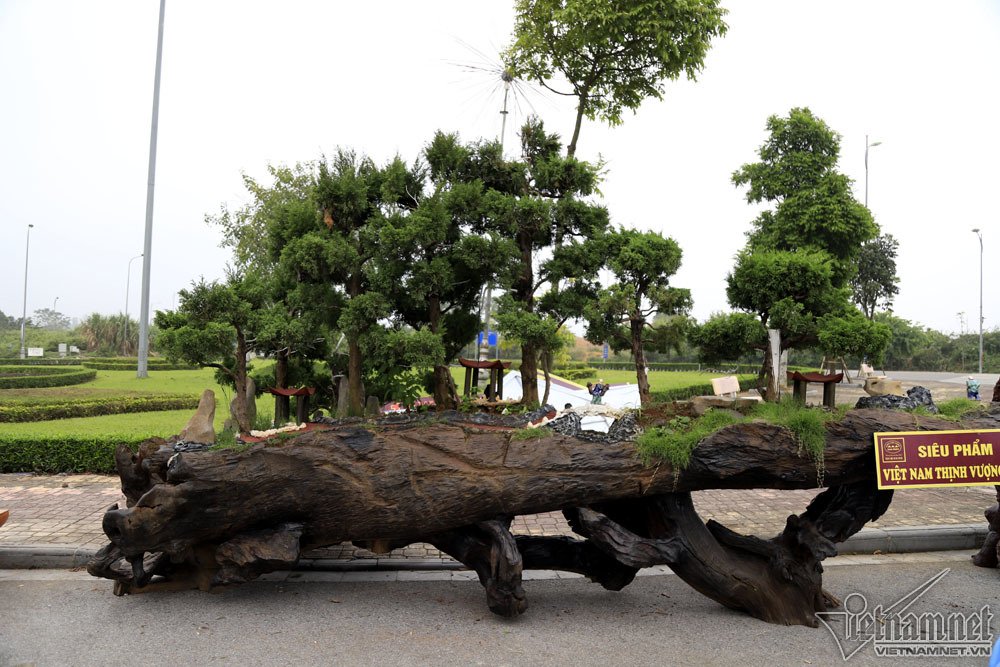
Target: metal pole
867 146
980 235
147 248
866 170
24 305
128 279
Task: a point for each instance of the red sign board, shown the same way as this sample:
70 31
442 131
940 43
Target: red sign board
921 459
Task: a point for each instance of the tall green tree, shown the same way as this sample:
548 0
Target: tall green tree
297 316
342 250
540 202
876 284
214 326
613 55
794 273
433 268
643 263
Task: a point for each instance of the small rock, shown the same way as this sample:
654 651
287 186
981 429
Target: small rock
201 426
883 387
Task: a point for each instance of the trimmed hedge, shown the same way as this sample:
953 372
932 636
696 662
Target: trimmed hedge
43 361
100 363
679 366
60 454
576 373
131 366
94 407
747 382
42 376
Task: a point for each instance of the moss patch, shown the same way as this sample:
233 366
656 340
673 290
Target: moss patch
675 441
530 433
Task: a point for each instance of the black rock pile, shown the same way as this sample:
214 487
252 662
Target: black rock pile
915 397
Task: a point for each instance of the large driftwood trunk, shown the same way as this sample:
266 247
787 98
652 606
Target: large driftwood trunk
210 518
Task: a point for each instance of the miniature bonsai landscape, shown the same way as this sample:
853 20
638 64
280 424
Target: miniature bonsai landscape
204 518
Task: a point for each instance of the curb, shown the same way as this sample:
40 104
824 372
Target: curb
908 539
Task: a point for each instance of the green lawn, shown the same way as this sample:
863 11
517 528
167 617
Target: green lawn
122 383
125 383
135 425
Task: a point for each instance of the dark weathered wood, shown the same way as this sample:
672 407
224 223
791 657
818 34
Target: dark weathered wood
777 580
225 516
989 554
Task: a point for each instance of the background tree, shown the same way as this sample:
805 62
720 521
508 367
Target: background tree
643 263
215 326
611 55
51 320
108 335
794 273
875 283
9 321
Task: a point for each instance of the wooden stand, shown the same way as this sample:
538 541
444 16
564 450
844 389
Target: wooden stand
282 403
800 382
831 365
494 389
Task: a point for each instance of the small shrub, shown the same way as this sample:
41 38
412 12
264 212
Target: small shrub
576 373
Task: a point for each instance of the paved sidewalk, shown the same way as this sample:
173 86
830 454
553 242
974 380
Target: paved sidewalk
66 510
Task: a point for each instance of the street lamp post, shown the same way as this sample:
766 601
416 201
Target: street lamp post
24 305
980 235
867 146
54 302
147 248
128 279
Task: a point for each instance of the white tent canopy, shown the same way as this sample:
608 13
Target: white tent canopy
562 393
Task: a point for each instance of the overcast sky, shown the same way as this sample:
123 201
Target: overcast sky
250 83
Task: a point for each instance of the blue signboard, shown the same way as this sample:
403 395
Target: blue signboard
605 351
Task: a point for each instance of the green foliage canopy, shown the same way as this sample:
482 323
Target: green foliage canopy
612 55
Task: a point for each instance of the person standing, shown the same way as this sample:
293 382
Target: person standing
972 388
